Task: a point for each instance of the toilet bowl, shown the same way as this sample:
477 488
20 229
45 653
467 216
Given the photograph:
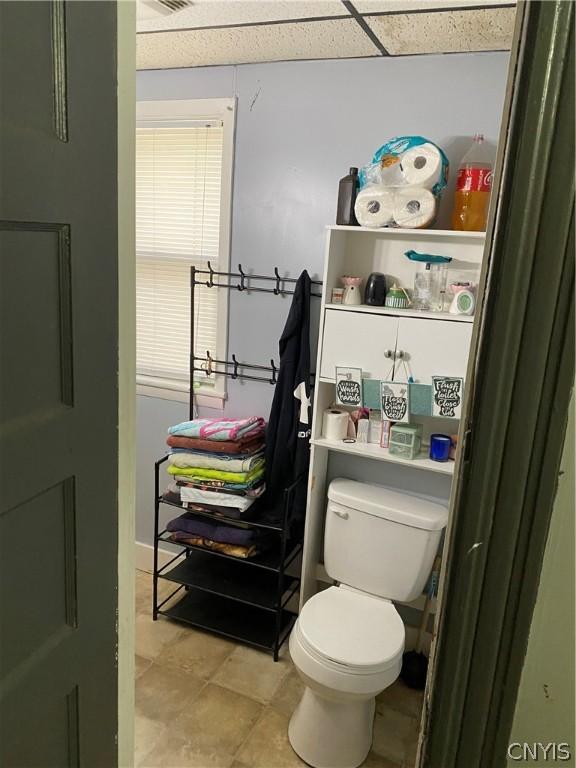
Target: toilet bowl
347 647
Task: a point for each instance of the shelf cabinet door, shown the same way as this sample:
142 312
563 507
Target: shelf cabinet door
357 340
434 347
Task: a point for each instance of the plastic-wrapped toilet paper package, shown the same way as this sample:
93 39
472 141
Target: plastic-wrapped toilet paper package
374 206
422 166
414 208
403 163
335 424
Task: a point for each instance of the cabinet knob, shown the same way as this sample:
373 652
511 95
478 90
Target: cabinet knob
400 354
388 353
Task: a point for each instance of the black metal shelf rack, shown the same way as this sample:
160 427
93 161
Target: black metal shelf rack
244 599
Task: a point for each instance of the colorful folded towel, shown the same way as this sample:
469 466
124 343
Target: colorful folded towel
196 475
225 462
254 489
219 429
253 442
225 534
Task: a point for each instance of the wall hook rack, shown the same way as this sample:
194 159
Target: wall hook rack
234 368
207 365
246 281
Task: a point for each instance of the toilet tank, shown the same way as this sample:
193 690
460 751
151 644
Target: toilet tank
380 540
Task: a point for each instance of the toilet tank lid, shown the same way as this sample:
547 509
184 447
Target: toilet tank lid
397 506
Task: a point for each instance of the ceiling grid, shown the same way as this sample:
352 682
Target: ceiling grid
227 32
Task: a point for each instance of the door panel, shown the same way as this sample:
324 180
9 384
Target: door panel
365 338
434 347
58 384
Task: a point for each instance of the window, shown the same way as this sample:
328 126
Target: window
183 193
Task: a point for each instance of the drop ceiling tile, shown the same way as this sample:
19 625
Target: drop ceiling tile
331 39
447 32
397 6
211 13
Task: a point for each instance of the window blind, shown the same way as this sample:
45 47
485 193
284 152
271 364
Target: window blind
178 193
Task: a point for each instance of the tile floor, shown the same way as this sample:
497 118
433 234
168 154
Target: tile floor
206 702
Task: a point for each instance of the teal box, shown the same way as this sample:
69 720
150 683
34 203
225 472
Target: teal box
421 399
371 394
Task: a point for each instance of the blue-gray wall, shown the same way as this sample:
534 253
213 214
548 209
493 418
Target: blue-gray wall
300 125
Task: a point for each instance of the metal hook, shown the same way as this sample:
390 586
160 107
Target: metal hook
273 380
242 286
210 283
209 363
235 371
278 279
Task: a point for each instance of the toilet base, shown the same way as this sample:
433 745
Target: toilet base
331 732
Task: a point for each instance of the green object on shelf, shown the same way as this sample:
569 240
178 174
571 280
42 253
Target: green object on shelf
405 440
428 258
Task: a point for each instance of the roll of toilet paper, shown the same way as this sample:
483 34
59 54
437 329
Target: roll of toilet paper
374 206
335 424
414 208
422 166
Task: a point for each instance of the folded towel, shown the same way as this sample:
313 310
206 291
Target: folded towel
238 489
225 534
197 496
234 550
219 429
253 442
211 454
198 475
216 510
225 462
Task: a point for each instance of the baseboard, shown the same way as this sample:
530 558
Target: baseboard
144 558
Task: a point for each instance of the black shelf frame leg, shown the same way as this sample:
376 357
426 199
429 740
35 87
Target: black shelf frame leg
156 533
280 591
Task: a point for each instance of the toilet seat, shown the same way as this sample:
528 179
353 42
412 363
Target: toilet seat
351 632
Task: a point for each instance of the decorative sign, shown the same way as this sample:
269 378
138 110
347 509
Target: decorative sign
349 386
395 401
447 396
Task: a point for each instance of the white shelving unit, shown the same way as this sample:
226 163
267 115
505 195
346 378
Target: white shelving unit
433 343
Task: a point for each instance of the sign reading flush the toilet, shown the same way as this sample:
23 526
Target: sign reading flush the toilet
447 396
395 401
349 386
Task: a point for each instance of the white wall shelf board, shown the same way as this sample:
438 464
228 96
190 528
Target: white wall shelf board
426 234
402 312
372 451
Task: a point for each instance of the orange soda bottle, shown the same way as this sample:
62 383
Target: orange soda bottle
473 186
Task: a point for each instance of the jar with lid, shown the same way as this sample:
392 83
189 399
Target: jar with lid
429 290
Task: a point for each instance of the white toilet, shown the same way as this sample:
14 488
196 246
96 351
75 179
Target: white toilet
348 641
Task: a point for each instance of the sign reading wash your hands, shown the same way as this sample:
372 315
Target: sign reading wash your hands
349 386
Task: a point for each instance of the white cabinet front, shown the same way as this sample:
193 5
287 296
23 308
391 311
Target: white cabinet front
434 347
358 340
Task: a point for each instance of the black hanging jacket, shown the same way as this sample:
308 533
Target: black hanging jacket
288 432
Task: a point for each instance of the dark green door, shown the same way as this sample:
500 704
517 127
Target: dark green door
58 384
